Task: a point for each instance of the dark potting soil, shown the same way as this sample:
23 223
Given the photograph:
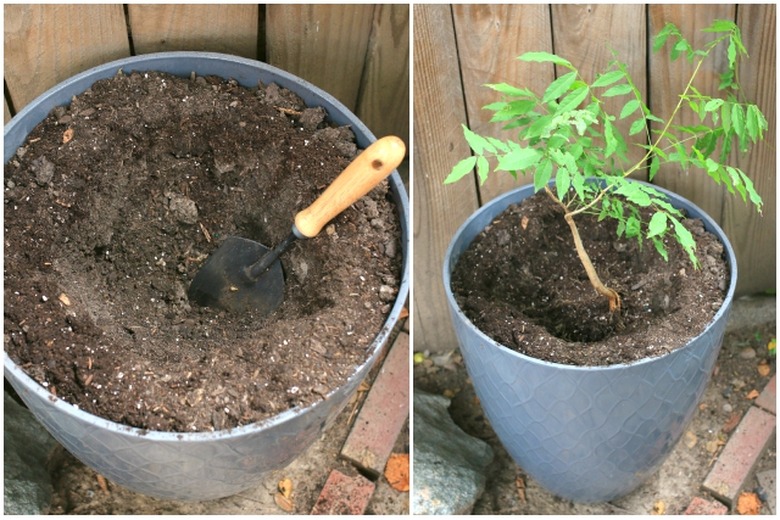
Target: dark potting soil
115 201
522 284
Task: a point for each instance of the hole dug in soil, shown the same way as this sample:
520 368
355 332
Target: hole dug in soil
521 283
112 205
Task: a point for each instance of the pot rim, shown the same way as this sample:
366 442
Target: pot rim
41 106
510 197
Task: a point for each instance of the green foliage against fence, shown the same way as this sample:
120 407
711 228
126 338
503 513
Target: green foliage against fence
460 48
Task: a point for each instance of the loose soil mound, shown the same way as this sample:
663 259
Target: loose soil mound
112 205
521 282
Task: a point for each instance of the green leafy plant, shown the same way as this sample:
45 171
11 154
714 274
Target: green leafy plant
565 136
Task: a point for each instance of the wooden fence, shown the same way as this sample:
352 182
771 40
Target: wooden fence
357 53
459 48
360 54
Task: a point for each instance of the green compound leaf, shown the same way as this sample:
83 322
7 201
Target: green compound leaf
461 169
554 136
732 54
539 127
559 87
578 183
618 90
755 198
633 227
477 143
520 107
519 159
659 246
660 39
562 182
545 57
483 168
573 100
637 126
655 164
685 238
725 116
608 78
629 108
510 90
713 105
755 123
657 225
500 145
543 174
721 26
634 193
614 143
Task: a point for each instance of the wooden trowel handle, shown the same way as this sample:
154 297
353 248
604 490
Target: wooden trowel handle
366 171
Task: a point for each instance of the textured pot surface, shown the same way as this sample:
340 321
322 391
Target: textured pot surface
196 466
588 434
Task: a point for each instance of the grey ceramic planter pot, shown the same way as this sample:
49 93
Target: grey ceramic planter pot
196 466
588 434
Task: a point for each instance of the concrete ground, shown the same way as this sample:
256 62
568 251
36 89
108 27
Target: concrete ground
723 434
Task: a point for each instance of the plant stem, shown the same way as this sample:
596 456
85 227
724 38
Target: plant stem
595 281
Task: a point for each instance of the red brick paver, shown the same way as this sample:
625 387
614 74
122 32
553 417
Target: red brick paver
343 495
383 414
738 459
702 506
768 398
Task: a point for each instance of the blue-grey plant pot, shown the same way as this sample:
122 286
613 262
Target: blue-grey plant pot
587 434
204 465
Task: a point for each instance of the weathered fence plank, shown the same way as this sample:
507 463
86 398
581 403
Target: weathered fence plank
46 44
591 36
323 44
754 237
384 94
668 79
358 53
438 144
231 29
490 38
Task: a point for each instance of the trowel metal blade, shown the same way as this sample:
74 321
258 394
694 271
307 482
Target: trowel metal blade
222 280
